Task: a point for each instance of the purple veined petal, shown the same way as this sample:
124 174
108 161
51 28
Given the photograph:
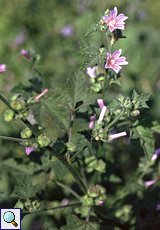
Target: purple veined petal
120 26
106 18
121 17
101 116
116 54
121 61
100 103
108 55
116 68
113 13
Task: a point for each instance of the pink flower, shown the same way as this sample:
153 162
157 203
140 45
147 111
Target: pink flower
25 54
117 135
2 68
100 103
40 95
115 22
155 155
91 72
149 183
101 116
92 119
29 150
114 61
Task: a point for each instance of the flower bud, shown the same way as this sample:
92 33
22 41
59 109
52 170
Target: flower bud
18 104
8 115
14 97
135 113
26 133
43 140
93 192
24 114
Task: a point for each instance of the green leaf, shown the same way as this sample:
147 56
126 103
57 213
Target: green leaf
73 222
25 189
82 141
75 94
90 55
114 178
141 98
59 169
52 107
93 28
143 129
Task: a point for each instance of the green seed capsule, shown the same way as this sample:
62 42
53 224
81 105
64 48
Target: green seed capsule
18 104
26 133
8 115
43 140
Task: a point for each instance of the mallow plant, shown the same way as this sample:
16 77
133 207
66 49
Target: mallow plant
101 185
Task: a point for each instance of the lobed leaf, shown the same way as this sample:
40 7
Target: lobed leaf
25 190
73 222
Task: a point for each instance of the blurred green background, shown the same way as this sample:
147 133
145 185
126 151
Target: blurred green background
53 28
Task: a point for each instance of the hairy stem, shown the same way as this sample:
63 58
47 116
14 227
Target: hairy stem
104 85
105 218
46 209
50 149
115 120
88 215
71 127
5 101
69 167
66 187
11 139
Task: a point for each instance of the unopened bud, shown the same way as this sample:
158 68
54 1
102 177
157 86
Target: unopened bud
18 104
93 192
43 140
26 133
8 115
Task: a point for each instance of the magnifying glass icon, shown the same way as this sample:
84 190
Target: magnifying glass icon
9 217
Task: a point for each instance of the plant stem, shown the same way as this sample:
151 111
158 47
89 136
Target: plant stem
69 167
71 126
104 85
115 120
31 127
46 209
75 155
50 149
105 218
5 101
99 155
89 210
11 138
66 187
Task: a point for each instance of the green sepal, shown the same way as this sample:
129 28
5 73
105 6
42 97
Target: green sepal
44 140
26 133
9 115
